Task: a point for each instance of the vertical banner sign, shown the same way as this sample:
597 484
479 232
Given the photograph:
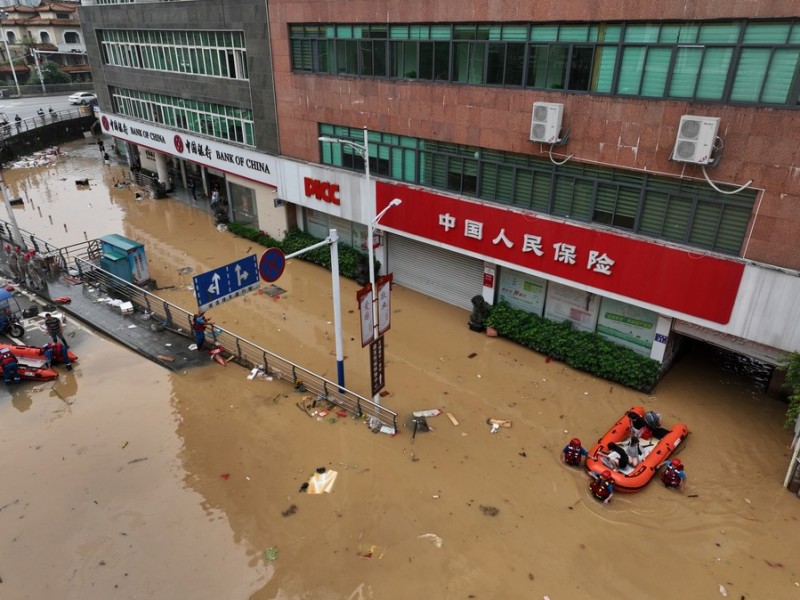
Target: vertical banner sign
364 298
384 304
377 368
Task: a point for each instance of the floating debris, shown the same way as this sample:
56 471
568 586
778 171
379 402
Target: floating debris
271 553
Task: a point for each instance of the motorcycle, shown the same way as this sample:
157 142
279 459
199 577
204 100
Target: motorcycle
10 323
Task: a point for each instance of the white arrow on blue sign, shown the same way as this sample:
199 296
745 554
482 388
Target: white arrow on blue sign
212 288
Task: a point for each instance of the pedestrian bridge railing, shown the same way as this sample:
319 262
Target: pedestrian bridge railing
10 128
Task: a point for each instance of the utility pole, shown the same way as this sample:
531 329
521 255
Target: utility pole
4 15
38 68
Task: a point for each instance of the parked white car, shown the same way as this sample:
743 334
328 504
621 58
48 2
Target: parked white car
82 97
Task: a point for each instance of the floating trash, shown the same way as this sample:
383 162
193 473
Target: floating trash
271 553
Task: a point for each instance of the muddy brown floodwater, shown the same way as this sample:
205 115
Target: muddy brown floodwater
215 512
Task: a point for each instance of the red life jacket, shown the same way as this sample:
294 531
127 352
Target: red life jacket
601 488
671 477
7 359
199 323
572 455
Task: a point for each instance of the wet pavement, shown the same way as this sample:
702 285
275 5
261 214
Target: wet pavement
138 331
125 479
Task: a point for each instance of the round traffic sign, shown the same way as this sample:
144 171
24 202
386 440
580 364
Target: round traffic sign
272 264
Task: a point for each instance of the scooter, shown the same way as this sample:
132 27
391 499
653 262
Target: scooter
10 325
9 315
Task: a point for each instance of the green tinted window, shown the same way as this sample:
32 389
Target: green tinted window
642 33
719 33
767 33
604 64
630 76
655 72
750 72
684 72
714 73
779 79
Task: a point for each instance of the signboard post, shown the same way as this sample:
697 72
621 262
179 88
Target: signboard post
364 298
212 288
377 366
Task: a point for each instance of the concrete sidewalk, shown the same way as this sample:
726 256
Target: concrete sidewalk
136 331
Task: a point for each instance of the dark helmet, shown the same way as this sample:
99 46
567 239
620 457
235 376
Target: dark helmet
575 442
606 474
652 418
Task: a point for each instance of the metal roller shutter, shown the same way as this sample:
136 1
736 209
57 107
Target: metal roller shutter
445 275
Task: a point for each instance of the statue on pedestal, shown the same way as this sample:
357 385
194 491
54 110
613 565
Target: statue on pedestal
480 310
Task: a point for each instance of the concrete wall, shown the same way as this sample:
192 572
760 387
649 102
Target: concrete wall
249 16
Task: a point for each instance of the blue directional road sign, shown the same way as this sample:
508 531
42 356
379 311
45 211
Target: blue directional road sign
212 288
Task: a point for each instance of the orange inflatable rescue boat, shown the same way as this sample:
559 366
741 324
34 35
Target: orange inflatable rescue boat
654 453
30 373
37 353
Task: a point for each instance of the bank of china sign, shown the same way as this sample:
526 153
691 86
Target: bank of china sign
231 159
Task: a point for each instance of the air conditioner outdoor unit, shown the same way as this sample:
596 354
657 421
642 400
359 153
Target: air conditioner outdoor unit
546 122
695 141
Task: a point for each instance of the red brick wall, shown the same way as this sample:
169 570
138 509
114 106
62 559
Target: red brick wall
760 143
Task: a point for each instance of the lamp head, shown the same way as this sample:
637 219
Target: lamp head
396 202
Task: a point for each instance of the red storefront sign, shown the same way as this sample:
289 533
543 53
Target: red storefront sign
679 280
322 190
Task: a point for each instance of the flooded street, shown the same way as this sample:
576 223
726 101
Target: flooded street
123 480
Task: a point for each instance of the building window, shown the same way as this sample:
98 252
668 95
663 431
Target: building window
658 207
212 120
11 36
70 37
209 53
243 204
44 37
753 62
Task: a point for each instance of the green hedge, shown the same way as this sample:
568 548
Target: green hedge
790 364
585 351
296 240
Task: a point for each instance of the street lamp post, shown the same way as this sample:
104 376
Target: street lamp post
333 241
4 15
371 252
363 149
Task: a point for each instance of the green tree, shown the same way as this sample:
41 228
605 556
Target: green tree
791 366
51 73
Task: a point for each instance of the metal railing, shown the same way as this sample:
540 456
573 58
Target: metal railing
84 258
244 351
155 188
11 127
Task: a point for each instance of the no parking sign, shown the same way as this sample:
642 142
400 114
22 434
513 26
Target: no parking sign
272 264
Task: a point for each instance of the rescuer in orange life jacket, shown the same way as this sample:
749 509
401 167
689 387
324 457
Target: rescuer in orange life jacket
602 486
573 452
10 367
673 476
